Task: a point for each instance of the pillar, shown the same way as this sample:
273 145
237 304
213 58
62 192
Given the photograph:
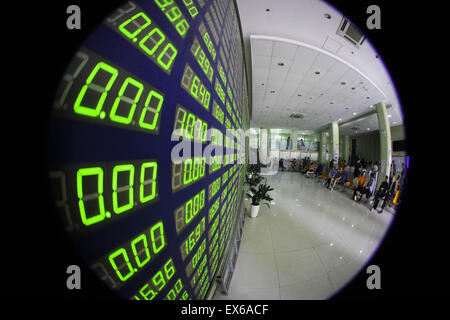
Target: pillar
385 142
264 145
334 142
346 149
294 137
322 147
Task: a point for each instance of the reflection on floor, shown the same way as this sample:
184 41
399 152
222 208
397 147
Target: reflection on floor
307 245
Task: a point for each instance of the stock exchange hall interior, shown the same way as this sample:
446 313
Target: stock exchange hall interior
220 149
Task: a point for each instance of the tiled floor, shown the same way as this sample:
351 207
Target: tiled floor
307 245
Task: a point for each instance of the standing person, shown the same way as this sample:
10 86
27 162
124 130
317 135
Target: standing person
361 181
381 195
280 164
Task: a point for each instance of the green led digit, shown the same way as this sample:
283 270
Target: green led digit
207 98
152 99
178 286
122 254
193 11
160 282
201 58
155 43
103 91
129 188
197 165
188 211
190 124
204 131
142 238
153 168
160 237
169 269
163 3
149 292
169 55
97 171
173 14
187 171
131 101
171 295
196 206
182 27
203 167
202 199
198 129
194 87
134 23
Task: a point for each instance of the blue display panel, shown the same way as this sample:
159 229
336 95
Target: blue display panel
152 75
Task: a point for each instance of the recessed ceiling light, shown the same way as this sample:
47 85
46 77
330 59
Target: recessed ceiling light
327 16
280 64
368 128
299 95
367 97
267 10
371 106
389 115
262 84
343 83
272 91
331 102
353 88
317 72
354 113
346 108
340 119
395 122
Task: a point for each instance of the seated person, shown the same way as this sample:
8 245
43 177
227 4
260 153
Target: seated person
319 169
331 175
369 187
359 186
311 169
336 179
381 194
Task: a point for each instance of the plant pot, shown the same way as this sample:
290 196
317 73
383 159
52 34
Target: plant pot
254 211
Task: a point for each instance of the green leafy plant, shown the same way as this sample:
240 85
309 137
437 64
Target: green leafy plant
253 179
260 195
254 168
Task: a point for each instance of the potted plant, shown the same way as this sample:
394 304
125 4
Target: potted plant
259 196
252 180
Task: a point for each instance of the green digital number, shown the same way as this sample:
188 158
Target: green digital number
153 166
90 84
152 99
159 226
121 253
129 188
100 216
142 240
133 22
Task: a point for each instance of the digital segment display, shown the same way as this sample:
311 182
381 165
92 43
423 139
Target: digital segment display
155 74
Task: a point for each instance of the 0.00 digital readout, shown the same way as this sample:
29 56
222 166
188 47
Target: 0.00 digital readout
102 193
119 266
95 89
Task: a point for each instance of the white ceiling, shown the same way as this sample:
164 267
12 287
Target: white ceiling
296 33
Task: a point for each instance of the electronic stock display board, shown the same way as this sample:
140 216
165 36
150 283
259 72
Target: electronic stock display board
153 74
